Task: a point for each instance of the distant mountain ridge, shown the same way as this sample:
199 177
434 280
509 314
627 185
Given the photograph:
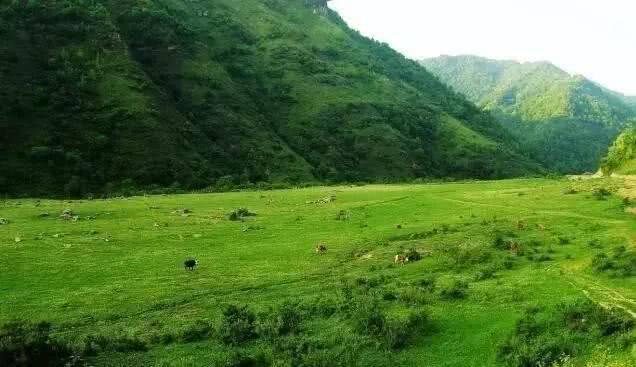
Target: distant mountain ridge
566 121
103 96
530 91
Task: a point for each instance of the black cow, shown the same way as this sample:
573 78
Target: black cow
190 264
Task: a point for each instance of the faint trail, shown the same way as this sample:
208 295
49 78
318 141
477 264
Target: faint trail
604 296
543 212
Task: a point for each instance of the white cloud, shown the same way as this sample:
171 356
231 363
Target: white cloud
590 37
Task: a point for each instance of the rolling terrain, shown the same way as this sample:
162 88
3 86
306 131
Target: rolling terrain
498 258
566 121
104 97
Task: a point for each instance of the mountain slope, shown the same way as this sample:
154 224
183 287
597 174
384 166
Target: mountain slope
105 95
621 158
566 121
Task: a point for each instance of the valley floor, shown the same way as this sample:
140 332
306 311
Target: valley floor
115 267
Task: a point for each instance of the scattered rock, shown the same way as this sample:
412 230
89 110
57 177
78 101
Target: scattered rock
18 239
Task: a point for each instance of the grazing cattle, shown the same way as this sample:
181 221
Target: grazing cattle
321 249
541 227
401 259
190 264
521 225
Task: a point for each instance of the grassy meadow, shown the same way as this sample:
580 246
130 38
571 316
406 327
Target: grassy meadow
113 269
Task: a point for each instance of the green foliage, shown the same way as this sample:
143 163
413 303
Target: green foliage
458 289
238 325
543 337
240 214
621 154
23 344
112 97
621 263
540 104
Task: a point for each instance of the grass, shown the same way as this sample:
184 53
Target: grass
122 273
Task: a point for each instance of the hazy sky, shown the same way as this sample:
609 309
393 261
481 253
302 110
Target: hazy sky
596 38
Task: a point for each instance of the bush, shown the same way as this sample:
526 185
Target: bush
601 193
284 320
368 318
564 241
240 214
26 344
95 344
485 274
413 296
457 290
243 359
398 333
622 262
543 337
413 255
200 330
428 283
343 215
238 325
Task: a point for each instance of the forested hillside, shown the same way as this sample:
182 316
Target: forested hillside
621 158
566 122
100 96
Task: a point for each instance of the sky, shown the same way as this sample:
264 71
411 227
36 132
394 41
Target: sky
594 38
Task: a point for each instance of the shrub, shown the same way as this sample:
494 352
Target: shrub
26 344
95 344
343 215
564 241
413 255
238 325
622 262
457 290
473 255
284 320
413 296
601 193
200 330
398 333
240 214
243 359
543 337
428 283
368 318
485 274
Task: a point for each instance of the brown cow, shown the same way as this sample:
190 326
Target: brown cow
321 249
401 259
515 248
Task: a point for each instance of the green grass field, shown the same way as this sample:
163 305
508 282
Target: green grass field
118 269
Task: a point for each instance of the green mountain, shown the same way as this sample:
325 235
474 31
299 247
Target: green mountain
566 122
103 95
621 158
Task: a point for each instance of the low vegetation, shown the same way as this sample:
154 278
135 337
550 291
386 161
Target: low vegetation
308 290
